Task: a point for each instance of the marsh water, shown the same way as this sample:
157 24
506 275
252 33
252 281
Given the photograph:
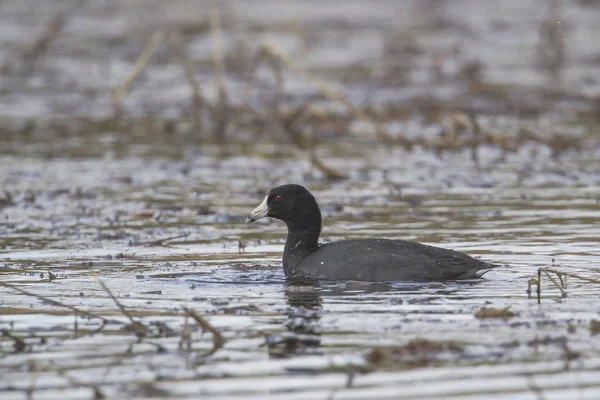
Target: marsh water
105 225
293 341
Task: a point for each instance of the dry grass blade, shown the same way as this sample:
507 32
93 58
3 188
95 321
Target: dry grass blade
139 67
218 338
113 297
57 303
136 327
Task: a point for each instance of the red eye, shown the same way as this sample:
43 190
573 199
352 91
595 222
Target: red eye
277 198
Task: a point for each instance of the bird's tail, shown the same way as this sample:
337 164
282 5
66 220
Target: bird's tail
485 268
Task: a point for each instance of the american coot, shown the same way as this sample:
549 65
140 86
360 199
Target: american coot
363 259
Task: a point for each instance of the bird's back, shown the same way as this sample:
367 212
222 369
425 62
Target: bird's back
388 260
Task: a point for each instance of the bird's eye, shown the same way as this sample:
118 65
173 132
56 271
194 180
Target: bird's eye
277 198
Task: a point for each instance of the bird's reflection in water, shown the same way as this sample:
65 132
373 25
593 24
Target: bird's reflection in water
305 304
305 307
303 335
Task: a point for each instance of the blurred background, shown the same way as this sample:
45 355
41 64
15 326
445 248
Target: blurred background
184 73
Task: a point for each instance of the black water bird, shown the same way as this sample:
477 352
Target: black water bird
361 259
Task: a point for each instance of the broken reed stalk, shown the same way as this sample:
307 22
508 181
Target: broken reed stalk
218 338
453 140
198 102
114 298
41 43
19 344
324 89
160 242
288 126
305 144
38 46
139 67
76 325
572 275
539 287
137 328
330 173
221 112
559 286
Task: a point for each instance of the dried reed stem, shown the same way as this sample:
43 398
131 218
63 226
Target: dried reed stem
218 338
140 66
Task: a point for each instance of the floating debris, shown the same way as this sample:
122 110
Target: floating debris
485 313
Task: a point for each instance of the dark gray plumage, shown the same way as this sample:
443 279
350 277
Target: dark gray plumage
387 260
362 259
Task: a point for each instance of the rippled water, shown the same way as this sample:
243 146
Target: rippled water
293 341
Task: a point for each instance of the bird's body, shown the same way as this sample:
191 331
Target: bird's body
385 260
361 259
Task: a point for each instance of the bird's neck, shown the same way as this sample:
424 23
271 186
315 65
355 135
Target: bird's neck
303 239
